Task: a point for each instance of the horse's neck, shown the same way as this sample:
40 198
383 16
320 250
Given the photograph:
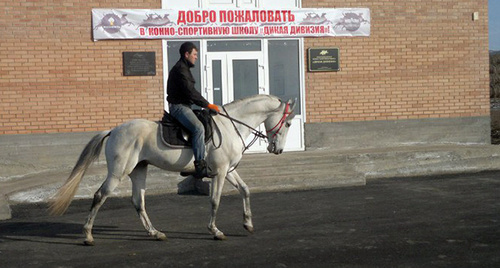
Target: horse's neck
252 112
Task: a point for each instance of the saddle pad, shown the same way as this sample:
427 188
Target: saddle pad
172 132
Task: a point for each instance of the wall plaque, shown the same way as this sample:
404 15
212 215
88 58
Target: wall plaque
323 59
139 63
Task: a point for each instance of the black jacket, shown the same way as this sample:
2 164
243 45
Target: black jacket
180 86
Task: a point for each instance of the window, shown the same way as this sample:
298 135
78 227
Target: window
245 78
226 46
284 71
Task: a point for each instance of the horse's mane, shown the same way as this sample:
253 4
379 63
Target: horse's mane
251 99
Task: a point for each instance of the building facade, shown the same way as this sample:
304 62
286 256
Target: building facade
420 77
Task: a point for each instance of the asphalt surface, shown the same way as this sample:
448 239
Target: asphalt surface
444 221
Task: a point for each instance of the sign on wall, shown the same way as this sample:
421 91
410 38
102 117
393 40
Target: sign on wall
248 23
323 59
139 64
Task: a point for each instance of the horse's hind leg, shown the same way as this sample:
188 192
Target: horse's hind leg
99 198
235 179
138 177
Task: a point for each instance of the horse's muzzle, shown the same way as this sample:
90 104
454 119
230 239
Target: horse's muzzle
272 149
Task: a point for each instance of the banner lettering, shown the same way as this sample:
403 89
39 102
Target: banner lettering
198 24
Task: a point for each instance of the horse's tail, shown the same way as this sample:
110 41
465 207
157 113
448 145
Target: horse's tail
59 203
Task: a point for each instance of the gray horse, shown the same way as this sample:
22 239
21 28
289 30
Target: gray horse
134 145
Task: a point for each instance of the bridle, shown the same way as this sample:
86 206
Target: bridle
282 121
258 134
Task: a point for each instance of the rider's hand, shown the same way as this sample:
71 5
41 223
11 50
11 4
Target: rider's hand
214 107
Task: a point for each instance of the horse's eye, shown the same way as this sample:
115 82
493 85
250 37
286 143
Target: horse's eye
287 124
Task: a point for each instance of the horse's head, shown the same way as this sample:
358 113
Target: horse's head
277 126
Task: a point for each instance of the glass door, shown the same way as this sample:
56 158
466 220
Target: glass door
231 76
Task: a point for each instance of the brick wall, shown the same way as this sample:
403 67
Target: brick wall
424 59
54 78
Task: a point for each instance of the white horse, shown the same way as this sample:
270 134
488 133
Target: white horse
134 145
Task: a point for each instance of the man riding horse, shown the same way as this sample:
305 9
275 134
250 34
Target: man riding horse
181 96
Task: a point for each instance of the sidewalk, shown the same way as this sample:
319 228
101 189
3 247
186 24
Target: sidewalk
268 172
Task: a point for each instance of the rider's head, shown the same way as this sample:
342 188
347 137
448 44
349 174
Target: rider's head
189 51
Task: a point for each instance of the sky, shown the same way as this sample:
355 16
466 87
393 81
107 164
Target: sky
494 24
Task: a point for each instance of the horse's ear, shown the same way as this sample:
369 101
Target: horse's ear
292 104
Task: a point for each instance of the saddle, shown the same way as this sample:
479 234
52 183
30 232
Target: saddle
174 134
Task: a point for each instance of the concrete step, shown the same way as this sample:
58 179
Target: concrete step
289 171
260 172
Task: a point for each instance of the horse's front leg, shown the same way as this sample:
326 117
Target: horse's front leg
215 194
234 178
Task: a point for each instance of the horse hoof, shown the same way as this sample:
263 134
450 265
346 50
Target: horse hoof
220 237
88 243
160 236
249 228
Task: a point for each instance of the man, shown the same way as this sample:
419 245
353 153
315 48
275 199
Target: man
181 96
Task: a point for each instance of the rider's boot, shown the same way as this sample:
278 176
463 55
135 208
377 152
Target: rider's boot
202 170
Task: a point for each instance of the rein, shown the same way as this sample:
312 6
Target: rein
257 134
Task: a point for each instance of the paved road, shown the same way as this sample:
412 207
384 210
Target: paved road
448 221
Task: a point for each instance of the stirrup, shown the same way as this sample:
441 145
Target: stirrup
202 171
199 176
207 174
